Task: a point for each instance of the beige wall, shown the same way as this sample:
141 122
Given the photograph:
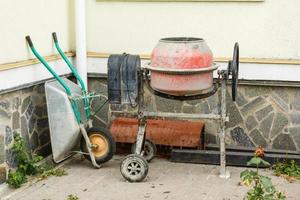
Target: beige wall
269 29
37 18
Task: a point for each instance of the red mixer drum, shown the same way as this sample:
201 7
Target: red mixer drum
181 66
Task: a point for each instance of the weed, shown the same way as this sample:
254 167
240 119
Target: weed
72 197
27 165
262 187
53 172
289 170
16 179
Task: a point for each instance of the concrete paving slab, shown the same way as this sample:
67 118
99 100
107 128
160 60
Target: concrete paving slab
166 180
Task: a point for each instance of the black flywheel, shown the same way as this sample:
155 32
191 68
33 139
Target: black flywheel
233 70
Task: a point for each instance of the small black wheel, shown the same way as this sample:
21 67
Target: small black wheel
103 142
134 168
150 149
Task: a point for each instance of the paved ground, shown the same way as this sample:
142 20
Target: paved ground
165 180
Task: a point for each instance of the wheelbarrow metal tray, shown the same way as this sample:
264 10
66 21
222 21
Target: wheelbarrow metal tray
64 129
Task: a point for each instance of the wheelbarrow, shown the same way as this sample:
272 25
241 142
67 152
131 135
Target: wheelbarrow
70 116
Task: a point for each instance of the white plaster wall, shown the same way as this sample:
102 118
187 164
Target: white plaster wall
248 71
37 18
269 29
20 76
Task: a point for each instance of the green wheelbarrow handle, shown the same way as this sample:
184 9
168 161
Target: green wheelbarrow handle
56 76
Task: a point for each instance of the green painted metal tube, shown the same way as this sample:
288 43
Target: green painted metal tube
57 77
72 68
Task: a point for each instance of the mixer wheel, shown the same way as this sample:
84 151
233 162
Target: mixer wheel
233 70
134 168
149 149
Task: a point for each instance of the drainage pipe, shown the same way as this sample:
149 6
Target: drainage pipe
81 55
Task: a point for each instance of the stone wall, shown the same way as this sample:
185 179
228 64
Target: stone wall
265 116
262 115
24 112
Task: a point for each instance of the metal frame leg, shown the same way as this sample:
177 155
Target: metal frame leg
141 134
89 146
140 139
223 172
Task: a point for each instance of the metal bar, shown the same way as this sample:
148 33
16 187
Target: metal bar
148 114
80 97
140 139
88 146
182 115
141 135
181 71
99 108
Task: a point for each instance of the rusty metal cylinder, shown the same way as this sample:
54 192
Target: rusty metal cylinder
181 66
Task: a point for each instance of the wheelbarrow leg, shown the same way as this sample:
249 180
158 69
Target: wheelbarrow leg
89 146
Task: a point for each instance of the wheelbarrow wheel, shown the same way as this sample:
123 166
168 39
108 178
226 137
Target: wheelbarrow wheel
103 142
134 168
150 149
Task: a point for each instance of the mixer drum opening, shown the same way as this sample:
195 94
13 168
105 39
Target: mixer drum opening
181 66
181 39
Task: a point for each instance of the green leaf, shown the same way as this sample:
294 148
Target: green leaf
16 179
26 164
280 196
244 173
263 188
257 161
268 197
264 163
254 161
266 183
247 177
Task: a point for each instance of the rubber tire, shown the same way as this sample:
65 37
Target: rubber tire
143 166
235 70
108 136
150 144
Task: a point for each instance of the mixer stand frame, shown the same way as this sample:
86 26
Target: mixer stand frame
221 117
